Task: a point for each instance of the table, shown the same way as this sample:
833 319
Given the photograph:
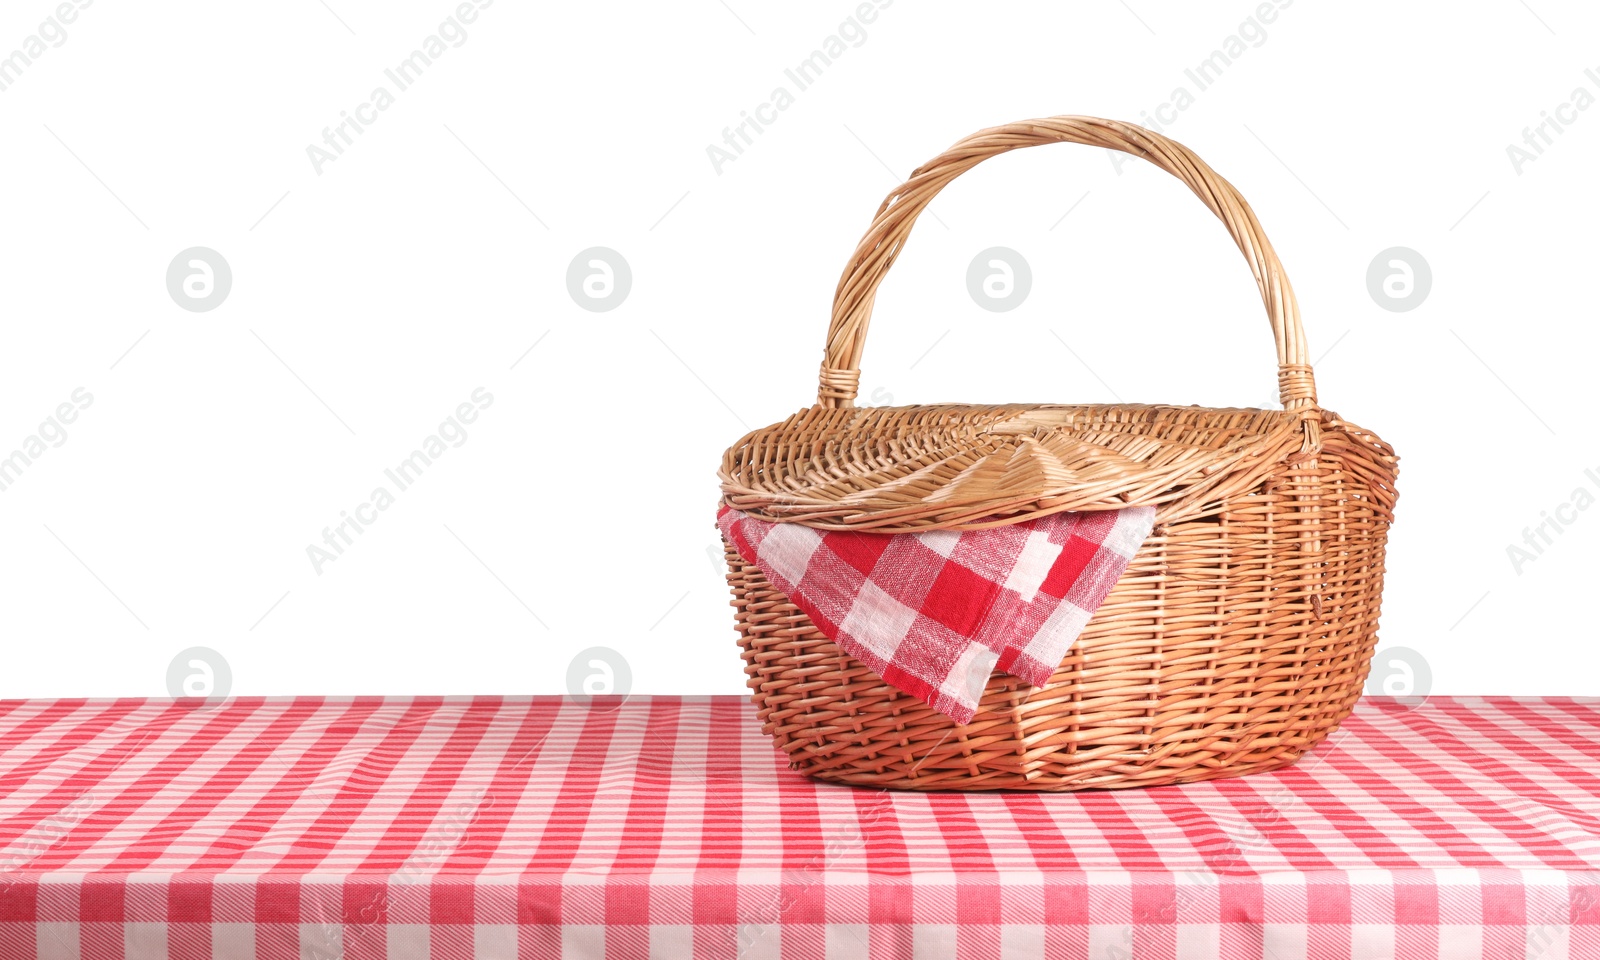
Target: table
493 827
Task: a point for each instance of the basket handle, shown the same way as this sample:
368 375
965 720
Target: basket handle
852 302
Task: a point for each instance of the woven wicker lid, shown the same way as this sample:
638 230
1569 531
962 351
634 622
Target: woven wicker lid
893 469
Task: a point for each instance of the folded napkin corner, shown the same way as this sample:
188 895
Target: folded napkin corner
935 614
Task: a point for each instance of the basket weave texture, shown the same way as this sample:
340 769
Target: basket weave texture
1239 636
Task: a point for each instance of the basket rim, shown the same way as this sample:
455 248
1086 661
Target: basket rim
967 466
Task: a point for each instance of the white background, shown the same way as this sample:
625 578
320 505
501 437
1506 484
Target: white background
372 298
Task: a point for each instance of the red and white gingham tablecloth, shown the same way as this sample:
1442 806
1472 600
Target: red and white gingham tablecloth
392 828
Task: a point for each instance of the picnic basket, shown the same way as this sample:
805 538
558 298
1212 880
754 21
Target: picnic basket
1240 634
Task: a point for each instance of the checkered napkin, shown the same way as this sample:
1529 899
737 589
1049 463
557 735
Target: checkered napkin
935 613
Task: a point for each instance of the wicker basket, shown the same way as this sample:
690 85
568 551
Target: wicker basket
1239 636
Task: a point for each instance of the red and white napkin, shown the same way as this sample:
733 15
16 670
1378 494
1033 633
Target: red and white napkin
935 613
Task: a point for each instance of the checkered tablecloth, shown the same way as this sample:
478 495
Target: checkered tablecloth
669 827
